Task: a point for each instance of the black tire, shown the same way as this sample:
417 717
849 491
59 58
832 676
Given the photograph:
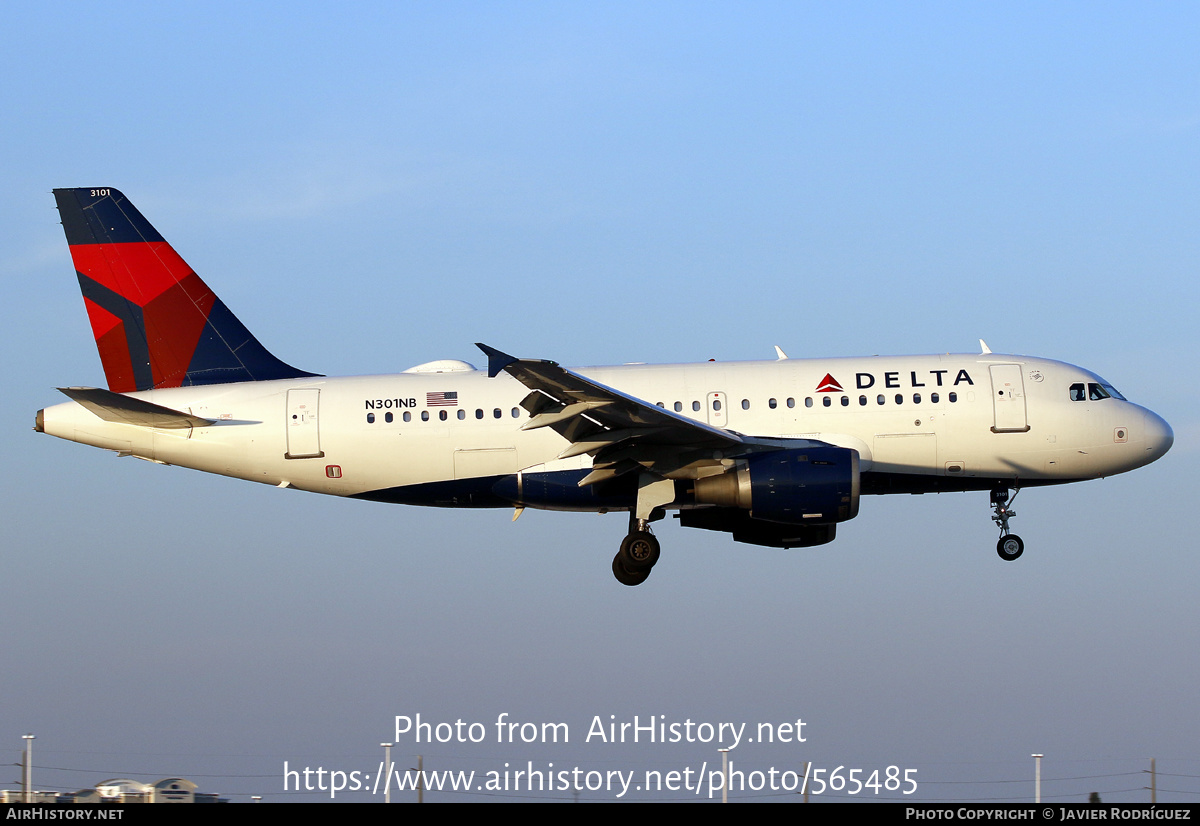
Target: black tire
626 577
1010 547
639 551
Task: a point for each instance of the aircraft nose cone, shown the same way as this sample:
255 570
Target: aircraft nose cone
1159 436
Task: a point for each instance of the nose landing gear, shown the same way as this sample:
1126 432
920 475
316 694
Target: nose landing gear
1009 546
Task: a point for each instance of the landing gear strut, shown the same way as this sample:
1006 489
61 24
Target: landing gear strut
639 551
1009 546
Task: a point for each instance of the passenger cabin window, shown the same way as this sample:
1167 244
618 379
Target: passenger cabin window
462 414
771 403
808 401
845 401
745 404
479 413
717 404
696 406
862 401
933 397
497 413
443 415
826 401
370 418
424 415
407 416
678 407
791 402
387 417
953 397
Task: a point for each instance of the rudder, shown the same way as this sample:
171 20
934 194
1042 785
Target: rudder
156 323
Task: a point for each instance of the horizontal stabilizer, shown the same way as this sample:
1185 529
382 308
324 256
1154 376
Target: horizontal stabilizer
113 407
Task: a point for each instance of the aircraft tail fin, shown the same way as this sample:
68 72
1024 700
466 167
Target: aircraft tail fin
156 323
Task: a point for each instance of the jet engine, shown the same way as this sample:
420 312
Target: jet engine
809 486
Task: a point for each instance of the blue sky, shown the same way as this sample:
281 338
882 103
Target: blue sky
376 187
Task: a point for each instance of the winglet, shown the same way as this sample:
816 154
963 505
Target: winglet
497 360
983 348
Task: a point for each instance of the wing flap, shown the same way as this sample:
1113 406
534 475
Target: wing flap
607 438
562 413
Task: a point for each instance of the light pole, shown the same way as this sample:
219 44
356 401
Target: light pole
420 770
1037 778
27 774
387 767
724 775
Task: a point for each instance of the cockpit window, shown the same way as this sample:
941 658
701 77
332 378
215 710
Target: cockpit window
1094 391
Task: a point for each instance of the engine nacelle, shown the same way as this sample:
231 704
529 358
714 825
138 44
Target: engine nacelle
757 531
808 486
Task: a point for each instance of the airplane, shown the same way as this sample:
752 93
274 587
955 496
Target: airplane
776 453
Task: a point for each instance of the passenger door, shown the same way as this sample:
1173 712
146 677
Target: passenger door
1008 399
303 435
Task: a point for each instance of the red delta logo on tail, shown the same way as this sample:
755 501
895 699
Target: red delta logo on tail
156 323
829 385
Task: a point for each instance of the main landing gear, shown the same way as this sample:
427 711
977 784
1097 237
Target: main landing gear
639 551
1009 546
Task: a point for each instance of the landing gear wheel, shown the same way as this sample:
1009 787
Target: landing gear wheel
1010 547
626 577
632 564
639 551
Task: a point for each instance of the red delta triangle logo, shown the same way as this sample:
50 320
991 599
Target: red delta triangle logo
829 385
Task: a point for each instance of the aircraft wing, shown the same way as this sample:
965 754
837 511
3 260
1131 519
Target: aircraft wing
621 432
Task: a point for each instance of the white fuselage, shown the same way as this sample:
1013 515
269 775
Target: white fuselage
963 419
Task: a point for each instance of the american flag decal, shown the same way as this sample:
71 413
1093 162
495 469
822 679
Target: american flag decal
441 399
